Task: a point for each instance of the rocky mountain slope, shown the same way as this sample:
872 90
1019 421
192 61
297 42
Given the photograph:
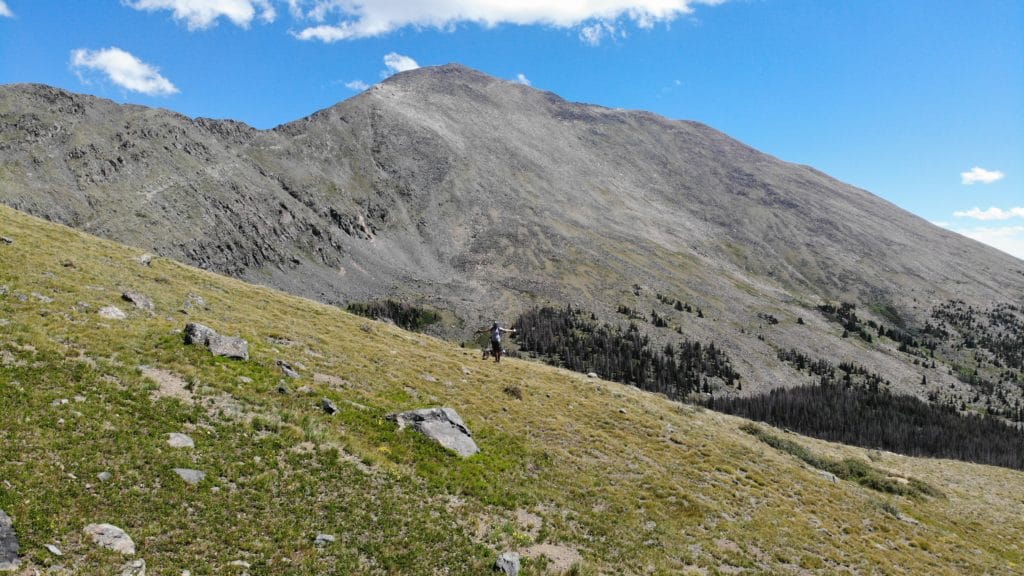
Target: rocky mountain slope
110 422
446 187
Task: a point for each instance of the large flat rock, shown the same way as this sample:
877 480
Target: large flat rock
442 425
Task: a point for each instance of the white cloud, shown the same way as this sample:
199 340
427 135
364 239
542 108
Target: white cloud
1009 239
5 11
977 174
363 19
398 63
123 69
522 79
993 213
357 85
199 14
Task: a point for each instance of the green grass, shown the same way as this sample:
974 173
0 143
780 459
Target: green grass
656 488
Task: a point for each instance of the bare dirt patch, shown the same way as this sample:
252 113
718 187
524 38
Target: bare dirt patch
170 385
561 557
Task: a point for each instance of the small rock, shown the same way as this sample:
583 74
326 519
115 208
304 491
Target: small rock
508 563
54 550
329 406
190 476
59 402
323 539
139 300
145 259
428 378
112 313
42 298
179 440
194 300
79 398
442 425
592 375
240 564
245 380
304 390
136 568
6 240
111 537
9 546
622 410
104 476
287 369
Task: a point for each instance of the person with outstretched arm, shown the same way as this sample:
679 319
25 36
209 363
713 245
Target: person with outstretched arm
496 330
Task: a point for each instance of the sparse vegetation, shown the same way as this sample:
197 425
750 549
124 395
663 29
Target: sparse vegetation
406 316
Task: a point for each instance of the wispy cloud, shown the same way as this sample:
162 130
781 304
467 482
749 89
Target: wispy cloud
522 79
123 69
594 34
357 85
1009 239
199 14
363 19
976 174
5 11
398 63
992 213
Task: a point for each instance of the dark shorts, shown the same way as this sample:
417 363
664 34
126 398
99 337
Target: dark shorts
495 346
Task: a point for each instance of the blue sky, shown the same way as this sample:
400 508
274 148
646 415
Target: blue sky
920 102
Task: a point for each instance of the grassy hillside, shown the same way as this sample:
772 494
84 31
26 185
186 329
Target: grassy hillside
632 483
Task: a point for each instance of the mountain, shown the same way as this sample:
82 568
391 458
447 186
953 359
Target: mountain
571 470
447 188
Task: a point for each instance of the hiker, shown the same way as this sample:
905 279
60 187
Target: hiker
495 331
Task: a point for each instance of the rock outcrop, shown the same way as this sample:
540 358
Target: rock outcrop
442 425
217 344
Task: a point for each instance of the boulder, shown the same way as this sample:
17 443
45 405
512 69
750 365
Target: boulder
508 563
9 546
442 425
111 537
190 476
112 313
139 300
218 345
329 406
287 369
179 440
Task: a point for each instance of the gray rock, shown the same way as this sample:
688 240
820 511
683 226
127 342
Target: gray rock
592 375
111 537
135 568
6 240
287 369
9 546
190 476
217 344
145 259
179 440
54 550
329 406
104 476
322 540
112 313
508 563
139 300
194 301
443 425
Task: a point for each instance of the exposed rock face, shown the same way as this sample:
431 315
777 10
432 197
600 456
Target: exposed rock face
217 344
9 547
442 425
111 537
179 440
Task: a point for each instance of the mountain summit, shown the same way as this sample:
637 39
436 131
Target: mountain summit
446 187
